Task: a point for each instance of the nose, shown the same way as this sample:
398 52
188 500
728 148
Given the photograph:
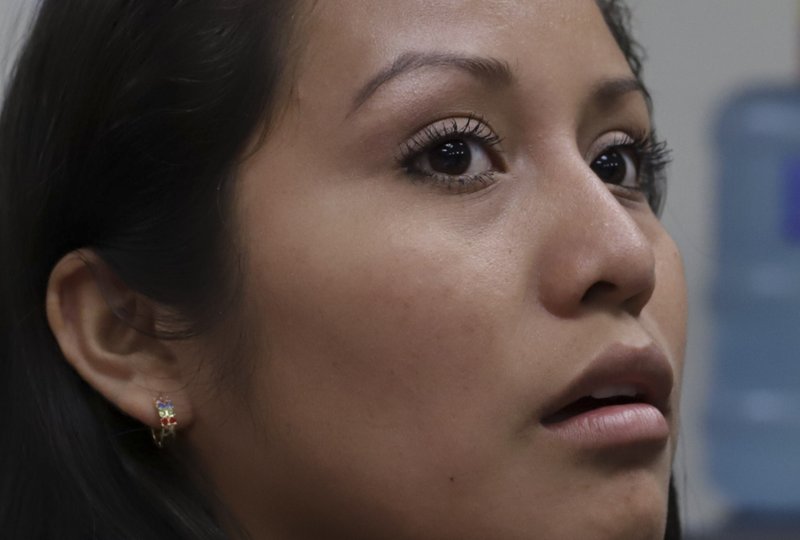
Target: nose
598 256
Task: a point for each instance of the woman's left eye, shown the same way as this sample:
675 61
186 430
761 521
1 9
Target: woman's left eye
619 166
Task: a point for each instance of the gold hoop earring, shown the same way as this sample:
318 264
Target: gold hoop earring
166 417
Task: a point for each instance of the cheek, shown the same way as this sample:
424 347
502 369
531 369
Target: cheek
381 326
368 298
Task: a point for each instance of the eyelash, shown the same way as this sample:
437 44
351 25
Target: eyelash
474 129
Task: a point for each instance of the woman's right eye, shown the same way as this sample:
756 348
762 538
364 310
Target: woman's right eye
457 155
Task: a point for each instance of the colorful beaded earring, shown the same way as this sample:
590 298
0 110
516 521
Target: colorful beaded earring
166 416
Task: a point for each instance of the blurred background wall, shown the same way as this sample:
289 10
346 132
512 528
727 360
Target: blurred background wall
700 52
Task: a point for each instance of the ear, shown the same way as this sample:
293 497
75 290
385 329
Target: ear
90 313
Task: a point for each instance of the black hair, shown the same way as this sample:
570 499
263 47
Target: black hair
122 125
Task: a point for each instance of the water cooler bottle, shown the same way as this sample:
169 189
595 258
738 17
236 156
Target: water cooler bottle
754 410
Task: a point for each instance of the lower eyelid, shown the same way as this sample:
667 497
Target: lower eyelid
631 195
460 185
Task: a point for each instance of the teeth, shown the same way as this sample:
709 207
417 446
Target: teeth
614 391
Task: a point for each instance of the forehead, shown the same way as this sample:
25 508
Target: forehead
347 41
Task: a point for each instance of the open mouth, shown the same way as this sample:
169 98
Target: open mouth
608 397
620 399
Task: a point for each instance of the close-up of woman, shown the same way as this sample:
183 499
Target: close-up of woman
336 269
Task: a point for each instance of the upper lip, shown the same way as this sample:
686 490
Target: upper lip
645 368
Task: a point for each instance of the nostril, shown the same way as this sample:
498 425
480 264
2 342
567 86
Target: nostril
631 296
598 291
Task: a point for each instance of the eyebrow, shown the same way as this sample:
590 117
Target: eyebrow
610 90
490 69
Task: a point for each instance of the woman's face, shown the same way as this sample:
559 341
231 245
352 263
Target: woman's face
446 246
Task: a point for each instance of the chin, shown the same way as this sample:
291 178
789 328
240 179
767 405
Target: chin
636 511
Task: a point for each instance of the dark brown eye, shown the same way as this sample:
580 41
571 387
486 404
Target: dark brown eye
616 166
455 158
451 157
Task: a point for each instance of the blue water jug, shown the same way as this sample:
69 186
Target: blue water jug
754 411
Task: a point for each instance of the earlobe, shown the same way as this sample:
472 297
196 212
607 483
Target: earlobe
90 312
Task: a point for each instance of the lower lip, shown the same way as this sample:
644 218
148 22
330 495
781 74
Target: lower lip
616 425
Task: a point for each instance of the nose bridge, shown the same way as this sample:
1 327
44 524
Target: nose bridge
598 256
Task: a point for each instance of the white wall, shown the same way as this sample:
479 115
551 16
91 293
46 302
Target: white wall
699 52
